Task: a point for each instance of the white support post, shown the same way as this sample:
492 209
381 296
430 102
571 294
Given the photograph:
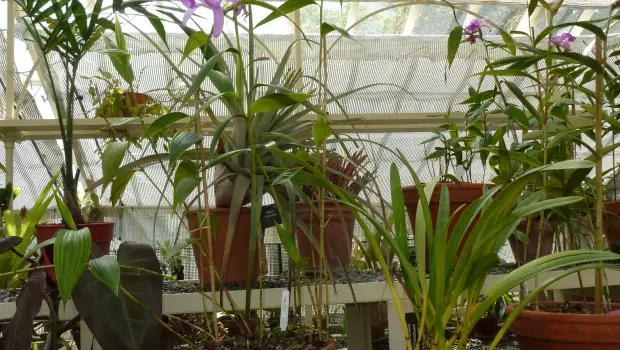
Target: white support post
308 316
358 326
412 18
352 16
396 333
10 60
298 45
529 21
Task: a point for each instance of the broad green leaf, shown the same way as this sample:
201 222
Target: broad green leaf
521 97
120 36
531 7
320 132
120 61
178 248
38 247
517 114
65 214
285 176
111 160
80 18
398 207
71 253
287 7
222 82
186 169
571 164
509 73
163 122
277 101
119 185
181 141
107 270
196 40
579 58
183 189
204 73
454 41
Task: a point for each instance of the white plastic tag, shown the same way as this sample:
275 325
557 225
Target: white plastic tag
284 309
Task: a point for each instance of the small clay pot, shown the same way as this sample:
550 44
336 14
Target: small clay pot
330 346
546 247
486 328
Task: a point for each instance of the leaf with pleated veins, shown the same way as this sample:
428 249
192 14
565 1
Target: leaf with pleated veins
8 243
277 101
71 252
181 141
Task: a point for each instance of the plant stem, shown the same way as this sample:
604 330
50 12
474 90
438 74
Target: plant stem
598 231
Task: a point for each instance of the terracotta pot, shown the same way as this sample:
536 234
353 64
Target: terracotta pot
237 268
546 247
611 225
565 331
338 234
330 346
101 233
486 328
237 328
460 194
133 99
378 321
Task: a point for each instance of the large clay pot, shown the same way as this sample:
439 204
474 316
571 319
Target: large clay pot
486 328
237 268
546 247
338 234
611 225
101 233
129 100
564 331
460 194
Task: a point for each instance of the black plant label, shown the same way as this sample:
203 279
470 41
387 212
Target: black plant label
270 216
412 325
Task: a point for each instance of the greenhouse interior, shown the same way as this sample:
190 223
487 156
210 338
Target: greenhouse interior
310 174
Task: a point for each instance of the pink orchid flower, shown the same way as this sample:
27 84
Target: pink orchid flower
214 5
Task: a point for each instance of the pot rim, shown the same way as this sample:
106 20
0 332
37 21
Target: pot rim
102 223
566 317
460 185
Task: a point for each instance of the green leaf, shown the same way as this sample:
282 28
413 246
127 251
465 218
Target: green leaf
519 95
277 101
579 58
80 18
71 252
531 7
287 7
517 114
111 160
222 82
119 185
181 141
203 73
65 214
120 36
285 176
454 41
107 270
509 41
398 207
327 28
320 132
120 61
178 248
196 40
509 73
164 122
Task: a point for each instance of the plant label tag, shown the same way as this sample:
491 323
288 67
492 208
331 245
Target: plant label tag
270 216
412 324
284 309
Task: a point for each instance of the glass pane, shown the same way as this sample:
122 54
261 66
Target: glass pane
435 20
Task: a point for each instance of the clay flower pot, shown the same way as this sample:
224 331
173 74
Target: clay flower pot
338 234
237 268
611 225
101 233
565 331
330 346
460 194
546 247
486 328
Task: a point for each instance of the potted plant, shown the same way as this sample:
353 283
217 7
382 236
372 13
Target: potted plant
351 175
546 325
456 154
71 39
113 101
488 326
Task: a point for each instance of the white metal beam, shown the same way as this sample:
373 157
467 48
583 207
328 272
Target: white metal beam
412 18
529 21
352 15
512 3
586 15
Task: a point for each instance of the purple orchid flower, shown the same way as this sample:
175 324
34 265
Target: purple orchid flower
239 9
473 28
563 41
214 5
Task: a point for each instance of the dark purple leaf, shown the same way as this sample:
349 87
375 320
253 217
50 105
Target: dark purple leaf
18 333
8 243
